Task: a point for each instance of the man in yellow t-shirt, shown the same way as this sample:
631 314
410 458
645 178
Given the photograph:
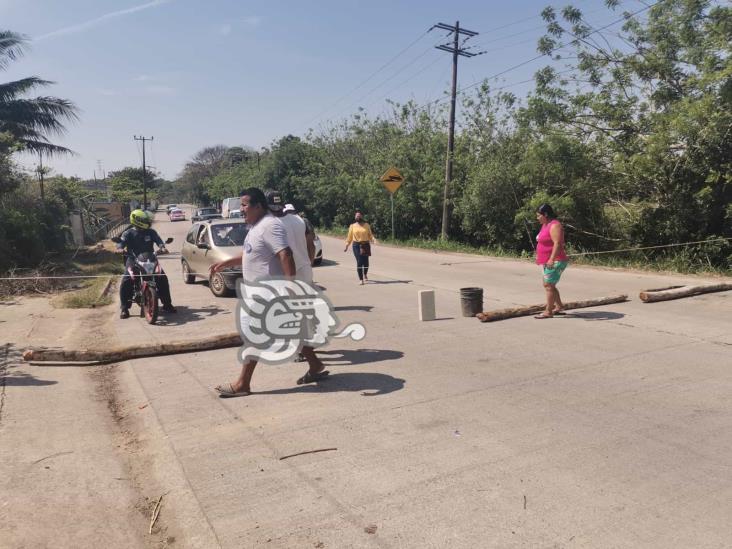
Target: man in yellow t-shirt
361 238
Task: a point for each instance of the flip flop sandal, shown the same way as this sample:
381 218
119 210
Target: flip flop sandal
542 317
227 391
312 378
560 313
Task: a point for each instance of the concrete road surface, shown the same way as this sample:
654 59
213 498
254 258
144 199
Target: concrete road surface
609 427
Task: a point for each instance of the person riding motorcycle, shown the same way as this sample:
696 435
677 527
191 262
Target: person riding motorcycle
140 239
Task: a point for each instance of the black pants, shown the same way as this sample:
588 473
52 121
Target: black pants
362 262
126 289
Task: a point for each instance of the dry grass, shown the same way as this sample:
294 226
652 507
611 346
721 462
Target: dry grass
94 261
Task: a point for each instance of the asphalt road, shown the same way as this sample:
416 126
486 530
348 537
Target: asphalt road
606 428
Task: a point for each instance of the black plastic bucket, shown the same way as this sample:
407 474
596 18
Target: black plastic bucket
471 301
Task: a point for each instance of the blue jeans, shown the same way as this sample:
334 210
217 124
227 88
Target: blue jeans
362 261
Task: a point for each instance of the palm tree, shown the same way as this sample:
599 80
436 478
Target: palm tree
29 121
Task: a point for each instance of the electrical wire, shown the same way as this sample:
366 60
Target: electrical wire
560 46
367 79
721 239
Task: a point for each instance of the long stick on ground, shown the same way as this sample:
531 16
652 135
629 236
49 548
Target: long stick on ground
502 314
155 515
308 452
90 357
650 296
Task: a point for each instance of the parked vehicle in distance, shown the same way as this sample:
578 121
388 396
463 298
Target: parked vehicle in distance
177 215
230 205
210 242
318 251
203 214
235 215
170 207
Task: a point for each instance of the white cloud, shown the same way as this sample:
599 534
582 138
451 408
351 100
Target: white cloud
252 20
72 29
160 90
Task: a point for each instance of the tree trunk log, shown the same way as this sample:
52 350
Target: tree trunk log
119 354
501 314
649 296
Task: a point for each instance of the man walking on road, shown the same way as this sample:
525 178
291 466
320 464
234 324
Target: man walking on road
266 254
301 241
299 237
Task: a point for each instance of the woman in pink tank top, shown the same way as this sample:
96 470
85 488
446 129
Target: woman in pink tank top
551 256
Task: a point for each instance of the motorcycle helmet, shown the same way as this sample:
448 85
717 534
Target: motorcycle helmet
140 219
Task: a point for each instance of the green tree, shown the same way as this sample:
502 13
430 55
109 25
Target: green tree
126 184
30 121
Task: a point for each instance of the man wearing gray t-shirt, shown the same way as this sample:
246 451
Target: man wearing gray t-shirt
266 254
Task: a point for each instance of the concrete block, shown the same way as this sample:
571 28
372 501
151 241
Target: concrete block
426 305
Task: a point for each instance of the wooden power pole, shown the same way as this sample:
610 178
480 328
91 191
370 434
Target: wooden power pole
456 50
144 176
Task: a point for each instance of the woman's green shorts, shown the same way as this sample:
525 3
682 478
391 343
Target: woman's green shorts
553 274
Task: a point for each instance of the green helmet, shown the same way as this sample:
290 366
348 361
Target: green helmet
141 219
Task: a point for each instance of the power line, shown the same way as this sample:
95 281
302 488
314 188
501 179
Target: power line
406 81
556 48
386 80
367 79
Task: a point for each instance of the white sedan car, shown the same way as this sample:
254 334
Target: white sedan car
177 214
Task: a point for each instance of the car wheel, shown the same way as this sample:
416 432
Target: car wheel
188 278
218 286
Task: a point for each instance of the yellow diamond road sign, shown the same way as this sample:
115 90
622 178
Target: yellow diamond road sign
392 180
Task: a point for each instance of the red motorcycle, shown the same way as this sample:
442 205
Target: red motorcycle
143 269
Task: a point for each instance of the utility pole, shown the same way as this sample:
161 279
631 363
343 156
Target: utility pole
144 178
40 176
456 50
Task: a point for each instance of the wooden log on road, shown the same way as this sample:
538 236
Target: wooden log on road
502 314
651 296
119 354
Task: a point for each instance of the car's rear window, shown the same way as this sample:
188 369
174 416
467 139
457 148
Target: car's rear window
207 211
229 234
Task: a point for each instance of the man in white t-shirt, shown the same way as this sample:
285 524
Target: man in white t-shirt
266 254
301 243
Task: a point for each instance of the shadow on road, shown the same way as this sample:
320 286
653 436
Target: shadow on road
390 281
186 315
370 384
328 263
595 315
10 358
357 356
21 379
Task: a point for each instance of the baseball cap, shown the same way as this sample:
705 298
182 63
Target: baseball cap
288 208
274 200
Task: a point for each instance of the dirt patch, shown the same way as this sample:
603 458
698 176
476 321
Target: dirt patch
128 435
9 356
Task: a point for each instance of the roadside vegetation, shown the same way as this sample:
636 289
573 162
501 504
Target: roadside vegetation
94 261
627 133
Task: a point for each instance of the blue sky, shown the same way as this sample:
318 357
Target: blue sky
194 73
